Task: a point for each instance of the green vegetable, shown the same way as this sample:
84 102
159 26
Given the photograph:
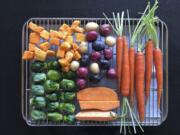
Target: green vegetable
53 75
52 97
38 66
53 106
67 96
67 85
38 115
39 77
55 116
70 119
38 102
67 108
53 64
37 90
51 86
69 75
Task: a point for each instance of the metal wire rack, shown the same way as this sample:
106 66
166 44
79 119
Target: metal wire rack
153 115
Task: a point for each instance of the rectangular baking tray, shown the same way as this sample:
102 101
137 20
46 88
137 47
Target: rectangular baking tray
153 115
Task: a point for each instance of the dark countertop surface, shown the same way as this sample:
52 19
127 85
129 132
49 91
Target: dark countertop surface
14 13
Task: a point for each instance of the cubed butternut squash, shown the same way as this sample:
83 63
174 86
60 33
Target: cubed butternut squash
44 46
34 38
28 55
45 34
69 39
51 53
63 62
40 54
66 69
77 55
32 26
79 29
31 47
54 41
75 46
75 24
54 34
60 52
80 37
69 56
65 45
62 34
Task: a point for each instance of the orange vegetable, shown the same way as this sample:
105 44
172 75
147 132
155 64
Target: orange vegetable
35 27
125 80
75 24
66 46
69 39
63 62
158 62
69 56
79 30
139 83
80 37
148 67
54 34
75 46
66 69
54 41
62 34
40 54
34 38
60 52
77 55
45 34
51 53
64 27
99 105
44 46
94 115
28 55
97 94
31 47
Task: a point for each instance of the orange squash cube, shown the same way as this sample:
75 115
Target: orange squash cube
65 45
54 34
34 38
60 52
44 46
63 62
54 41
45 34
75 24
69 56
31 47
79 30
32 26
66 69
69 39
28 55
77 55
80 37
62 34
51 53
75 46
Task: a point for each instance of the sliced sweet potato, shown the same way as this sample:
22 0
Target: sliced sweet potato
40 54
34 38
45 34
32 26
44 46
96 116
97 94
28 55
31 47
99 105
51 53
54 41
60 52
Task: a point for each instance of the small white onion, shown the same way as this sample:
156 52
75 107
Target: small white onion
110 41
94 68
83 47
74 65
91 26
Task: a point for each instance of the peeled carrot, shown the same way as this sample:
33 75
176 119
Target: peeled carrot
139 84
131 69
148 67
159 72
119 54
125 80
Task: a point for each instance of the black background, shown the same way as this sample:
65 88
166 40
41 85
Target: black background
14 13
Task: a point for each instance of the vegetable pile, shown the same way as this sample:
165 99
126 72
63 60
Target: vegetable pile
74 57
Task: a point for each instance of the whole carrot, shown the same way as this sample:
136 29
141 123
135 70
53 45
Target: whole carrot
148 67
158 62
131 69
119 52
139 84
125 80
